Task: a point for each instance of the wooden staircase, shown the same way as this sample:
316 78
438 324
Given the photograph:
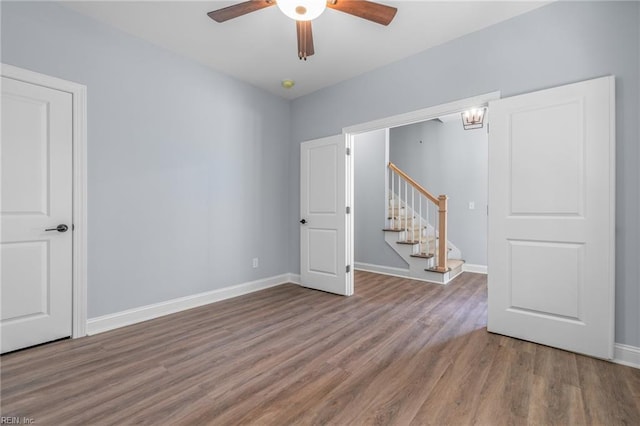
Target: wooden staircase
415 229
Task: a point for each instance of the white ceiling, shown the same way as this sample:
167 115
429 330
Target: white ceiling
260 48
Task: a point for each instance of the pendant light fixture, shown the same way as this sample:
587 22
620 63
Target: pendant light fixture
473 118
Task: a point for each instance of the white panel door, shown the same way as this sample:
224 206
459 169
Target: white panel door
36 187
551 217
323 221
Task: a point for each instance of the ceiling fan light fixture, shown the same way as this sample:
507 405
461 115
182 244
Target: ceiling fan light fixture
302 10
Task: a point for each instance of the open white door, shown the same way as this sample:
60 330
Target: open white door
324 224
36 237
551 217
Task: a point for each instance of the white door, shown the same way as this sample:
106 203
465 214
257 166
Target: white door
324 224
551 217
36 195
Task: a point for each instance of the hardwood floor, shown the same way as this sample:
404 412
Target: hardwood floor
398 352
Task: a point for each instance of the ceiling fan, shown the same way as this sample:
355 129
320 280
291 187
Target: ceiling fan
304 11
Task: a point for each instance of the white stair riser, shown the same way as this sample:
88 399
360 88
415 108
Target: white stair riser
417 265
422 247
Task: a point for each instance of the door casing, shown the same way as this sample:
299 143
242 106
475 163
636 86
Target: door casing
79 192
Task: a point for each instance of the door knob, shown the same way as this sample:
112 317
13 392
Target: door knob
59 228
303 221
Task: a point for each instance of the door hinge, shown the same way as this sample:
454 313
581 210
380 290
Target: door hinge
348 151
348 210
348 268
487 128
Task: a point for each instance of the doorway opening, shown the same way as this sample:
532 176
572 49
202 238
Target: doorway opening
432 146
442 157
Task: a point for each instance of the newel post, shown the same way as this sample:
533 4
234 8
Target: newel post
442 237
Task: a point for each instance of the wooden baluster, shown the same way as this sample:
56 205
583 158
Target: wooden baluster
428 221
391 209
406 211
435 241
420 222
413 215
442 231
396 202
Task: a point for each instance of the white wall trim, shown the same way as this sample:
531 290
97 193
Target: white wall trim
295 279
623 354
612 215
79 135
405 273
478 269
380 269
626 355
144 313
423 114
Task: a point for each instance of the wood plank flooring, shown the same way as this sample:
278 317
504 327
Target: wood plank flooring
398 352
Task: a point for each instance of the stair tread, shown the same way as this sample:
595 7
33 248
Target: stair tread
451 263
448 248
410 242
422 255
402 218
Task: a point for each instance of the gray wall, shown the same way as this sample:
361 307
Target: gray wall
186 173
559 43
188 168
370 160
446 159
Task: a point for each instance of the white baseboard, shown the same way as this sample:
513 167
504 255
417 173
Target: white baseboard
144 313
623 354
404 273
379 269
478 269
294 278
626 355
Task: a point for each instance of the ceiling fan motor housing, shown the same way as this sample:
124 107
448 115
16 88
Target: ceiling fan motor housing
304 11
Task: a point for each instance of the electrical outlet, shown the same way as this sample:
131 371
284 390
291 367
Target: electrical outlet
255 262
472 205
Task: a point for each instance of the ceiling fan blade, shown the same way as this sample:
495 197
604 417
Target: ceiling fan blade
376 12
305 39
239 9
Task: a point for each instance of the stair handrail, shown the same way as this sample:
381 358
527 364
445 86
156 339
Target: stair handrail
414 184
441 202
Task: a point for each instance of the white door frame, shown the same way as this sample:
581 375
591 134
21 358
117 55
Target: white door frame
79 224
422 114
403 120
